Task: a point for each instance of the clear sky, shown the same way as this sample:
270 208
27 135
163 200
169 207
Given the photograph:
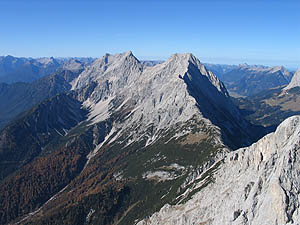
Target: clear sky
218 31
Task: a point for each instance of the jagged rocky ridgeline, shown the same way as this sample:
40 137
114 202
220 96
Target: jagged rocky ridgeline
125 141
259 184
161 96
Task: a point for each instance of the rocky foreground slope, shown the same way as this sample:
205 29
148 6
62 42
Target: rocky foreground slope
259 184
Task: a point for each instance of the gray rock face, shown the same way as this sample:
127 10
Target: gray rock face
255 185
295 82
161 96
121 68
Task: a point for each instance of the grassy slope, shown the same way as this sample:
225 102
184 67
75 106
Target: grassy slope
122 201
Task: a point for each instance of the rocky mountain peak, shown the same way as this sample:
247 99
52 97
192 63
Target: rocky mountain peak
122 68
127 67
128 53
282 70
287 130
181 56
163 95
45 61
187 64
111 59
9 57
184 59
243 65
276 68
295 82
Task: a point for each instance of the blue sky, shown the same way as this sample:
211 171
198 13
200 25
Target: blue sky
229 31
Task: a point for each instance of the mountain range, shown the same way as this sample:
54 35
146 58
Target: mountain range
271 107
21 69
246 80
120 141
241 80
19 97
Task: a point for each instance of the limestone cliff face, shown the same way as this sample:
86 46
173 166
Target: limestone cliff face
163 95
255 185
295 82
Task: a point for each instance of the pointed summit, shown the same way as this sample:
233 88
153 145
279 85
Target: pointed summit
111 59
188 64
184 57
124 66
128 53
169 93
181 56
9 57
243 65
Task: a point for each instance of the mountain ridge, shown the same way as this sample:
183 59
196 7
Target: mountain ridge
151 84
247 80
21 69
19 97
144 135
246 184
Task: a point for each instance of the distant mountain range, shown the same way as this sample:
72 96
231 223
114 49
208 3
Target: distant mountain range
16 98
247 80
271 107
220 69
14 69
242 80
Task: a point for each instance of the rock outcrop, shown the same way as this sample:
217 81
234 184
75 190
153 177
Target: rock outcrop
259 184
295 82
163 95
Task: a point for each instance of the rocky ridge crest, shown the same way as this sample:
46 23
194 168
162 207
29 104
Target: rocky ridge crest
254 185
